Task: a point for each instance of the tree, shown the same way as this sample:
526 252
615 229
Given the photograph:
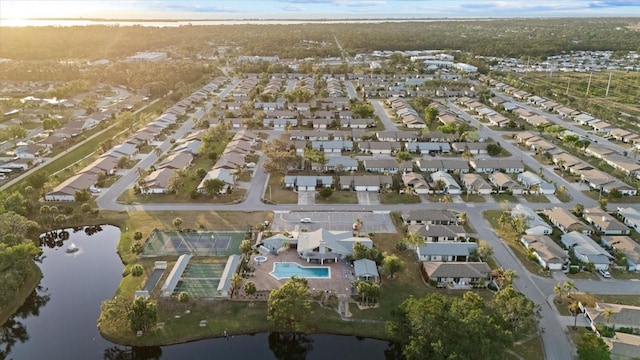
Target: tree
520 224
574 309
289 305
578 210
462 217
183 297
569 286
245 247
142 314
392 264
423 328
213 187
326 192
177 223
558 289
592 347
413 239
137 270
439 185
360 251
517 310
137 248
250 288
603 204
403 156
484 251
82 195
505 277
607 313
494 149
430 114
590 267
236 283
50 124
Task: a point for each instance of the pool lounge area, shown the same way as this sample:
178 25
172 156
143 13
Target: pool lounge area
286 270
338 278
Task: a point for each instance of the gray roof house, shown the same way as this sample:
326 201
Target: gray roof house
366 270
429 216
446 251
456 274
586 250
323 244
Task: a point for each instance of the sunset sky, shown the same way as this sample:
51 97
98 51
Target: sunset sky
313 9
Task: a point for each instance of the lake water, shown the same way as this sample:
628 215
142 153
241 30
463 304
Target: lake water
58 321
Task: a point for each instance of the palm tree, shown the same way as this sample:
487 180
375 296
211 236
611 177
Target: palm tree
236 283
439 185
569 286
607 313
558 290
635 151
157 151
574 308
505 277
560 164
447 199
504 220
462 217
183 297
467 154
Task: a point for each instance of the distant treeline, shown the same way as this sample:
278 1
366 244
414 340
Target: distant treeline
512 38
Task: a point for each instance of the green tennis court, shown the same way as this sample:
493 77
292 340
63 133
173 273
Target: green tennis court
197 243
201 280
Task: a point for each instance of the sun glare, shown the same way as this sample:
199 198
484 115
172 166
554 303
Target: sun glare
20 10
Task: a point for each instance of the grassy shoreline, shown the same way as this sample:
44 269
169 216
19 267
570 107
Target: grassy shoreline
32 281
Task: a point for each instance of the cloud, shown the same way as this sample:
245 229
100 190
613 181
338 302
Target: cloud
349 3
194 6
292 8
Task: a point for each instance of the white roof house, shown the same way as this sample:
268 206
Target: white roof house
586 250
531 180
325 244
630 217
535 224
451 186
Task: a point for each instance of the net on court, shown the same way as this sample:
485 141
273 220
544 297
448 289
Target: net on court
197 243
200 280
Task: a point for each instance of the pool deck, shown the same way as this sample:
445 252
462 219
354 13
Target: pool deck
337 283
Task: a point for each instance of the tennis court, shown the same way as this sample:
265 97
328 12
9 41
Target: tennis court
197 243
200 280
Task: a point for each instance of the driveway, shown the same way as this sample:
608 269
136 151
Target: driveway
368 198
306 197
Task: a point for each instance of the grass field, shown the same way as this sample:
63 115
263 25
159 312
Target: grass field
338 197
535 198
276 194
396 198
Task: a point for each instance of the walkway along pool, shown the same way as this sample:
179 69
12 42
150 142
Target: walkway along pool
286 270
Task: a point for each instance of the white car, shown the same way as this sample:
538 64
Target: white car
305 220
604 273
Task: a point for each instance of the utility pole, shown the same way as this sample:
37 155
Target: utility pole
608 84
589 84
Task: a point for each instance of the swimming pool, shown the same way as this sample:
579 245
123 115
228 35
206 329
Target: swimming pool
285 270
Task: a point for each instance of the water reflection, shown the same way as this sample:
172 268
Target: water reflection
134 353
56 238
13 331
289 346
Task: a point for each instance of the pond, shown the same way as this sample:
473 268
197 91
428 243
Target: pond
59 319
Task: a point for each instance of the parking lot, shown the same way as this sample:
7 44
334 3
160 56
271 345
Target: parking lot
338 221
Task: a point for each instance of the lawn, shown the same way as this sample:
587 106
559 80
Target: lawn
510 238
589 300
536 198
338 197
397 198
473 198
130 197
595 195
504 197
276 194
563 196
530 349
583 275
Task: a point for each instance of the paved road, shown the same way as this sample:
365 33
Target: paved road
379 110
570 125
351 90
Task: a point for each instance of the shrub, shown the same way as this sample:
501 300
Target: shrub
137 235
574 270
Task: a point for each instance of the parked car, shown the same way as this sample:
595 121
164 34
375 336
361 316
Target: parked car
604 273
305 220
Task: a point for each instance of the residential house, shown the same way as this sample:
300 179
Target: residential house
402 136
379 147
437 233
604 223
333 146
388 166
104 165
510 166
337 164
226 175
429 217
630 217
450 185
476 184
534 184
366 182
504 183
66 190
446 251
366 270
322 244
176 161
126 150
460 274
613 315
566 221
535 224
623 346
627 246
157 182
586 250
428 147
307 182
474 148
549 254
416 182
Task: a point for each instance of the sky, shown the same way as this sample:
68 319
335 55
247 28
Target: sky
313 9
